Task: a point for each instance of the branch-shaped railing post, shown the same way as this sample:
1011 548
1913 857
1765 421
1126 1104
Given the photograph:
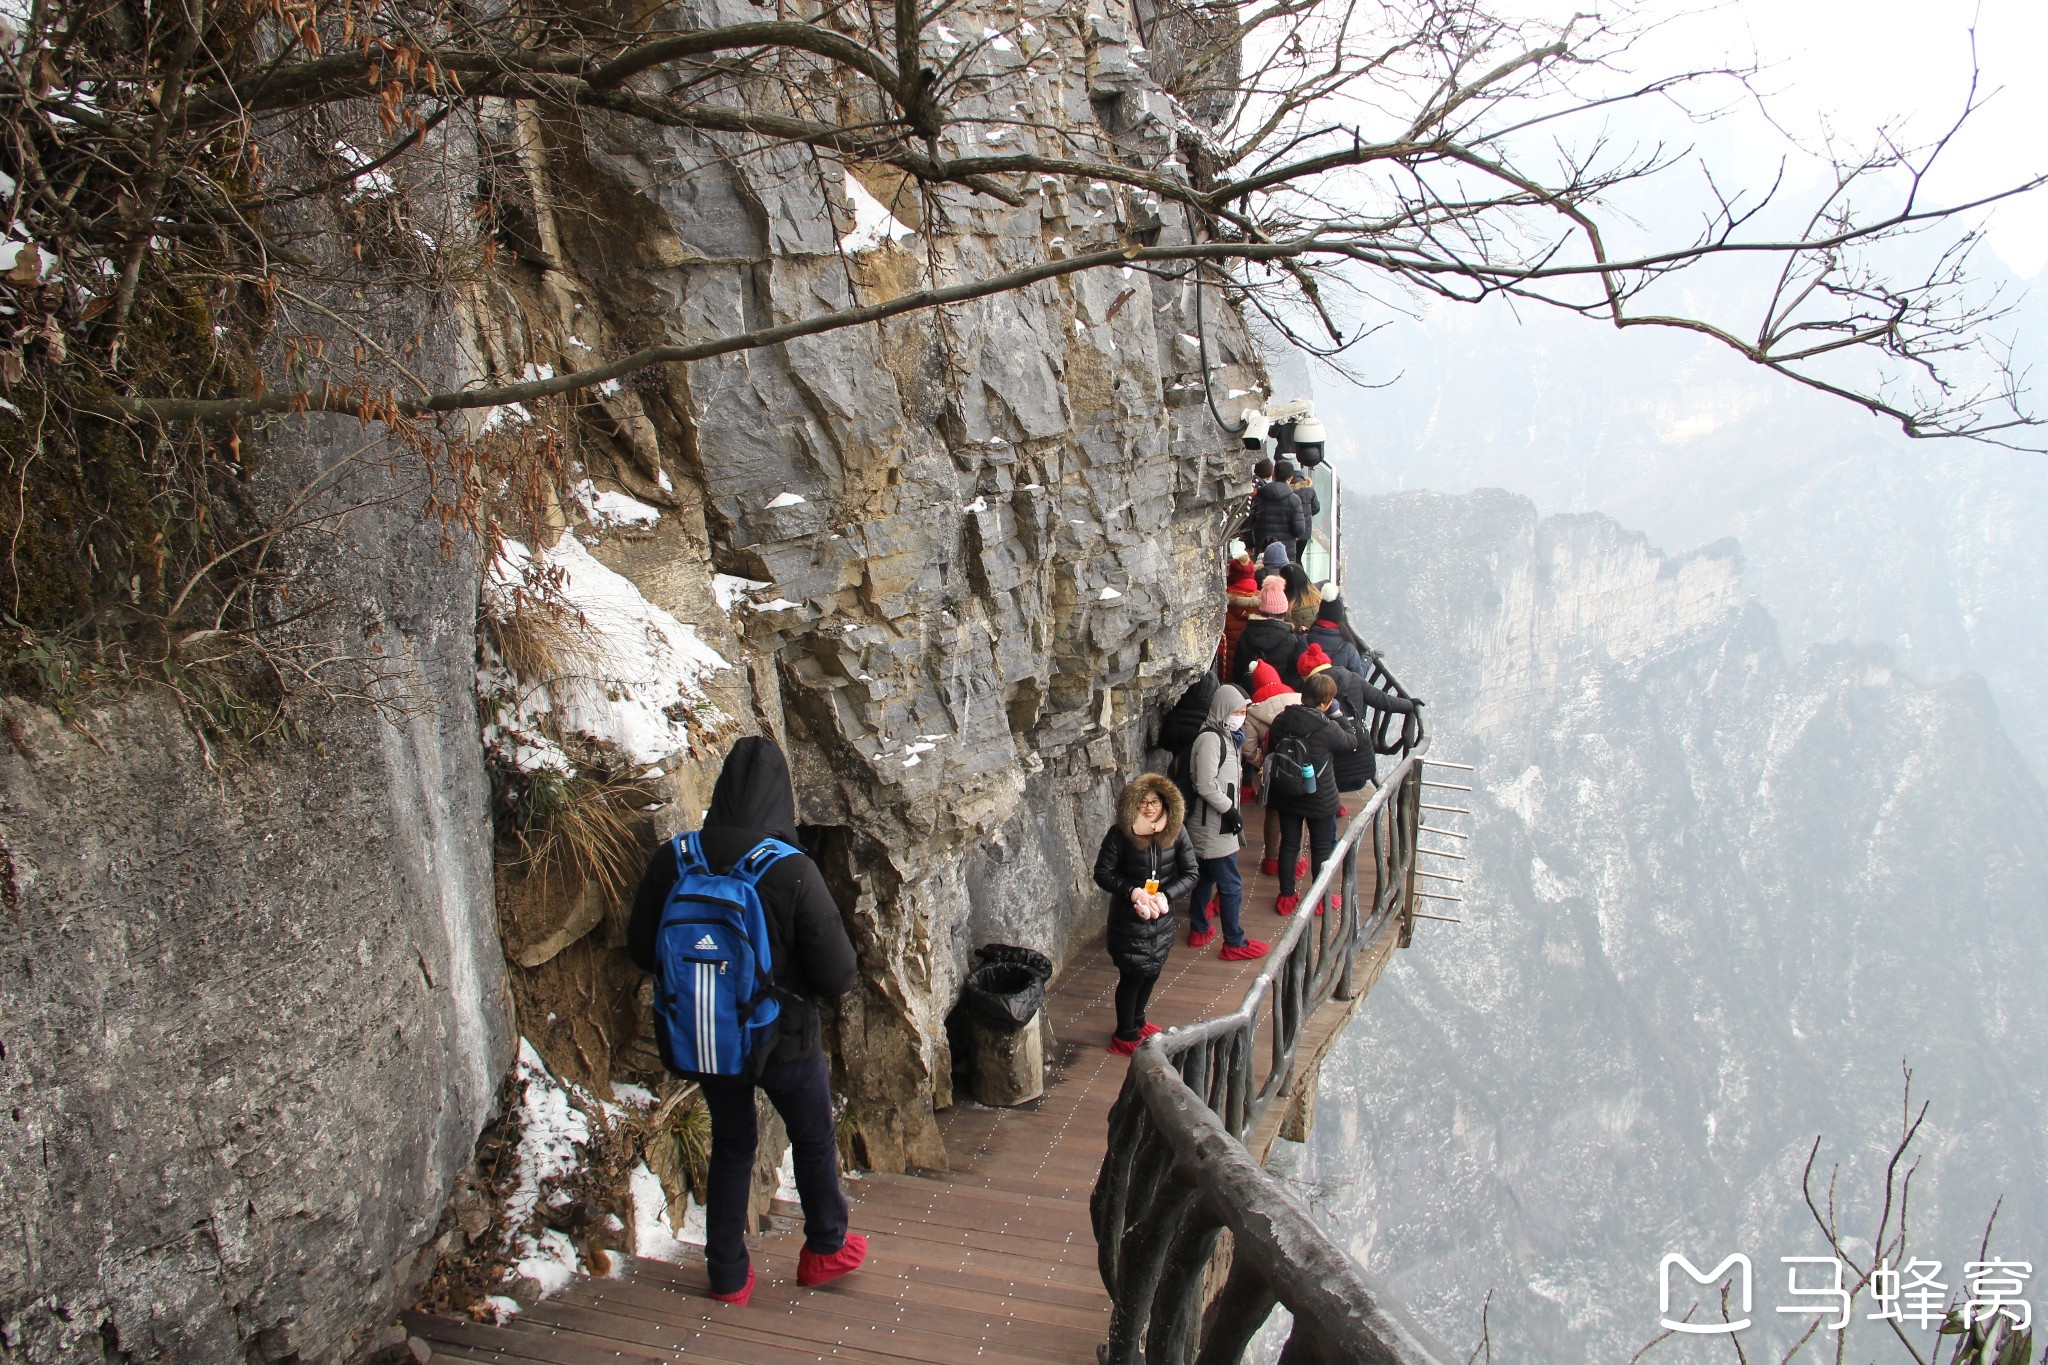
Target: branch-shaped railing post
1341 1313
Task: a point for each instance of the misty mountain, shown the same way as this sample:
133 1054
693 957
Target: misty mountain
1849 530
1719 888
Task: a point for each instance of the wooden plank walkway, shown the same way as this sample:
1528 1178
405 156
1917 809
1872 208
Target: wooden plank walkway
992 1260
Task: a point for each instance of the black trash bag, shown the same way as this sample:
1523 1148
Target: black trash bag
1005 995
1023 957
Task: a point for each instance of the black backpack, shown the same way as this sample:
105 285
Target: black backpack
1290 771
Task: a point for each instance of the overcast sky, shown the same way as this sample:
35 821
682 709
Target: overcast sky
1866 62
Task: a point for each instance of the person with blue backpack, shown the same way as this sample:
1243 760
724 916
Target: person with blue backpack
744 940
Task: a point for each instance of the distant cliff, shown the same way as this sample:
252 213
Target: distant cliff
1715 895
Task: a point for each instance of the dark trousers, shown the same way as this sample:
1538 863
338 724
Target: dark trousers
1221 874
1133 993
802 1093
1322 839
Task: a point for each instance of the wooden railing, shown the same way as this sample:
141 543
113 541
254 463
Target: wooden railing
1177 1173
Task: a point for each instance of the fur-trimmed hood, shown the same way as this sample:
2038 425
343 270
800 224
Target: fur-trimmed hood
1127 810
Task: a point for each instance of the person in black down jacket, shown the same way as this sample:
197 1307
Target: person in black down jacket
1357 699
1334 633
1323 738
1148 844
1267 636
1304 488
1278 515
814 960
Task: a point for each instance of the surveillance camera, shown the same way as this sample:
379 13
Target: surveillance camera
1309 437
1254 430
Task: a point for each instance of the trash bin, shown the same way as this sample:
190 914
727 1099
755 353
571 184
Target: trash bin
1006 1000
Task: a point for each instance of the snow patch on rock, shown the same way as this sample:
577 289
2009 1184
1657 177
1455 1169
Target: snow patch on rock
873 224
630 677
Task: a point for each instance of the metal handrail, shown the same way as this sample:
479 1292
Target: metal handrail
1176 1172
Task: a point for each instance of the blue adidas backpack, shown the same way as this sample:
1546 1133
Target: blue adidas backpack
714 997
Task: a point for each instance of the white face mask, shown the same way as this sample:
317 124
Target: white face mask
1237 721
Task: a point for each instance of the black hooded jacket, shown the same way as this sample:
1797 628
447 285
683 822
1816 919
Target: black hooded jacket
1324 738
1271 640
814 959
1277 515
1359 698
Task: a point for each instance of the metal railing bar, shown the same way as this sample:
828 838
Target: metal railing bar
1447 919
1442 853
1435 897
1440 876
1449 810
1447 833
1447 786
1446 763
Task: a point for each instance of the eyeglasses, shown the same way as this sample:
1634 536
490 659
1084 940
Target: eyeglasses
1151 803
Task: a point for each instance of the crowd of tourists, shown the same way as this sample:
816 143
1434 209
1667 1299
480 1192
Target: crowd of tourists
745 940
1286 718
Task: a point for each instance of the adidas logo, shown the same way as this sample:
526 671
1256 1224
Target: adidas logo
707 942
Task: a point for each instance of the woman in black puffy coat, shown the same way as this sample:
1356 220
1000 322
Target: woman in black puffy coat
1147 861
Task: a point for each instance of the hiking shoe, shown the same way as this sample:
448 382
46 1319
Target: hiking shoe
813 1269
1269 867
1286 904
1243 952
1123 1047
738 1298
1148 1031
1201 938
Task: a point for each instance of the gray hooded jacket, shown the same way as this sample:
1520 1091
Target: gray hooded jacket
1214 772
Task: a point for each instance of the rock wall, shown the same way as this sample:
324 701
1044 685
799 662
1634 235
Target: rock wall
990 534
254 1018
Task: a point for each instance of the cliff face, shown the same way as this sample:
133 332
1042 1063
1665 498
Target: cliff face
1715 895
255 1019
252 1018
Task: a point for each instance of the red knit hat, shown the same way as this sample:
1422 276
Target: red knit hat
1311 660
1266 682
1242 579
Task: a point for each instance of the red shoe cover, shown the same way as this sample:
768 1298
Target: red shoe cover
1202 939
1300 868
1342 810
738 1298
1336 904
1148 1031
1270 867
1244 952
1286 905
813 1270
1215 906
1124 1047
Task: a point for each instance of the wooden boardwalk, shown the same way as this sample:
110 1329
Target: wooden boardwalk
992 1260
